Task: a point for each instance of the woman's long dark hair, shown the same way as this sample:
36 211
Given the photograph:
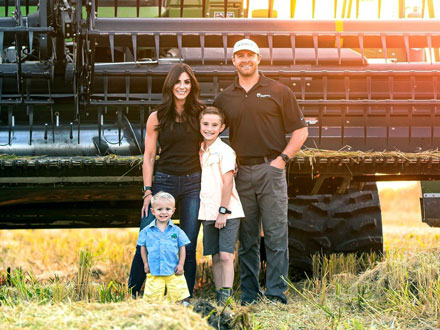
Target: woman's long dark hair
166 111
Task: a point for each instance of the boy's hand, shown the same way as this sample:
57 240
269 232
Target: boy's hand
179 269
220 222
146 268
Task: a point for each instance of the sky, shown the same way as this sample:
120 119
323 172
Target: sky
324 8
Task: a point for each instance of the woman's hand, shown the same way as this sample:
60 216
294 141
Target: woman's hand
144 211
146 268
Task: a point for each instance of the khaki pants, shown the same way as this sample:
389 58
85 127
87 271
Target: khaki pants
263 194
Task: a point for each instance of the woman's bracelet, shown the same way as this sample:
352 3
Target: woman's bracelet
147 194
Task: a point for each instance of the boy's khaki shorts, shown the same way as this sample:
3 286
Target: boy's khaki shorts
177 288
220 240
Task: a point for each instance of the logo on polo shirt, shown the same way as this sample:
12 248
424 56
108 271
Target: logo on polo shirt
263 95
174 236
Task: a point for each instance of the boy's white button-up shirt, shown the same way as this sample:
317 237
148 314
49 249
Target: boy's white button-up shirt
216 160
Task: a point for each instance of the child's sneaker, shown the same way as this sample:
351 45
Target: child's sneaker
223 295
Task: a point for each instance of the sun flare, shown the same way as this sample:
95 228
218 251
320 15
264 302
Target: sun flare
324 9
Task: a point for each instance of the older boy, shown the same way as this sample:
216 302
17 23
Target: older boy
220 206
163 252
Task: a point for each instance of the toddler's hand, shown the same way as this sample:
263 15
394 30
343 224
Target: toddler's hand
146 268
178 270
220 222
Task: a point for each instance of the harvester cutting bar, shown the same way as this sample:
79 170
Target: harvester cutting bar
362 166
268 33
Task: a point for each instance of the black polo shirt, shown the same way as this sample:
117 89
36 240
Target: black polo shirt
259 119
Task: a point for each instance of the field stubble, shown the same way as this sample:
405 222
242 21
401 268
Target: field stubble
77 279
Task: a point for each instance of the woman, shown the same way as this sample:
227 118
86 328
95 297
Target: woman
175 126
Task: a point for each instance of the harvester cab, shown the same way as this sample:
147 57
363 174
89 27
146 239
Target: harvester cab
78 79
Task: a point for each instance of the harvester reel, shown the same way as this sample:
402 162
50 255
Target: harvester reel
94 80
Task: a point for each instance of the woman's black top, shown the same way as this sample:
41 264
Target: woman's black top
180 147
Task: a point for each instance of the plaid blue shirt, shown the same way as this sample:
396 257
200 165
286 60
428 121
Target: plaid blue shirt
163 247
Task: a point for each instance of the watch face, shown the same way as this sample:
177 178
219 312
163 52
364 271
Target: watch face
222 210
285 157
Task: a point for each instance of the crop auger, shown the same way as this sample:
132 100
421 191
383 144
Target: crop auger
77 82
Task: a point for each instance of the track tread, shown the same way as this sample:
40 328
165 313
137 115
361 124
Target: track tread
305 200
306 226
361 196
295 211
356 209
335 222
323 208
349 222
362 224
296 244
323 241
359 245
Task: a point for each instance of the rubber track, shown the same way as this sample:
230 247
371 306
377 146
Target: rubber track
343 223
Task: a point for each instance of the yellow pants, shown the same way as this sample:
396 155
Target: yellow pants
177 288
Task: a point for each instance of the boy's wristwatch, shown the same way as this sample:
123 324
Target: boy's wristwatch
223 210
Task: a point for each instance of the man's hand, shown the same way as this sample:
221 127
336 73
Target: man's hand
146 268
278 163
220 222
179 269
144 211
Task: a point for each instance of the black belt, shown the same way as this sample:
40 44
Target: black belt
248 161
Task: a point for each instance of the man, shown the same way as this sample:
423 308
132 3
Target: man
259 113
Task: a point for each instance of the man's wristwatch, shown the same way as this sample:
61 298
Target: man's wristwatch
285 158
223 210
145 188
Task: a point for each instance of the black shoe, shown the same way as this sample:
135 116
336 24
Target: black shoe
217 296
253 301
277 299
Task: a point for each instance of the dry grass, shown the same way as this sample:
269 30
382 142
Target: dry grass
402 223
55 252
400 292
123 315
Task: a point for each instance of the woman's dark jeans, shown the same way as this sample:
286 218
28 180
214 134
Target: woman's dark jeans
186 191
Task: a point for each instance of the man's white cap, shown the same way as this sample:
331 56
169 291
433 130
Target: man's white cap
246 44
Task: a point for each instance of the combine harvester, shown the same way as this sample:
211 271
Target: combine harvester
78 80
